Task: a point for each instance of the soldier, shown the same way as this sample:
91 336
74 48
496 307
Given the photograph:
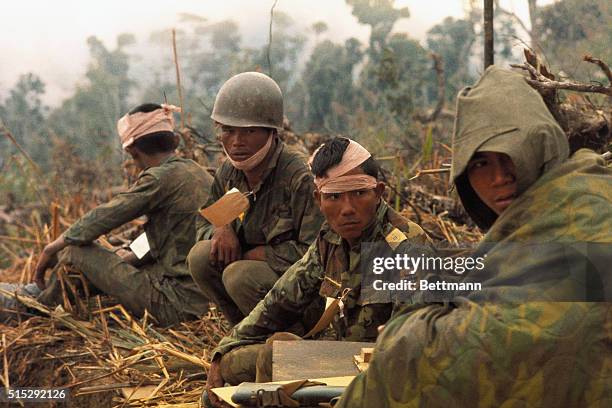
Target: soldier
235 265
169 191
349 196
534 335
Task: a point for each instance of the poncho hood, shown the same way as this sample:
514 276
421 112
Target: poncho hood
502 113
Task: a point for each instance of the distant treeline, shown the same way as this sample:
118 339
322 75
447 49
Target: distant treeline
370 91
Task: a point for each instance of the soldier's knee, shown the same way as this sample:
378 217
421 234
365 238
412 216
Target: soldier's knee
282 336
198 260
264 355
234 278
239 365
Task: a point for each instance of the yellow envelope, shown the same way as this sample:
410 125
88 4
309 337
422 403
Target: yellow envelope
226 209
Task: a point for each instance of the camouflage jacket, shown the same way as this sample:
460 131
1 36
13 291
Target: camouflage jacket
282 214
326 270
538 333
169 195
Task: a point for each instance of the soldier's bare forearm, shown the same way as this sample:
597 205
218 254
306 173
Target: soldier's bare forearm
56 246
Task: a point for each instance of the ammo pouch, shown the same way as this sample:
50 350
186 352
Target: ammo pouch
302 393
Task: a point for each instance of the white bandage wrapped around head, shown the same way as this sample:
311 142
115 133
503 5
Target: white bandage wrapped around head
132 127
335 180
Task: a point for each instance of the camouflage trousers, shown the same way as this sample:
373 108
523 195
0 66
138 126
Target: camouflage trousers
237 288
135 288
253 362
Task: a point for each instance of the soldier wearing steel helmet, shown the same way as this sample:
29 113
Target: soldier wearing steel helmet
235 265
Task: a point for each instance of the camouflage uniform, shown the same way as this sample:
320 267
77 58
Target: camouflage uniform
169 195
299 296
532 336
282 216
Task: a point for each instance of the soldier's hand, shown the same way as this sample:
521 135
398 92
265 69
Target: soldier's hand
46 260
225 247
215 380
256 254
127 256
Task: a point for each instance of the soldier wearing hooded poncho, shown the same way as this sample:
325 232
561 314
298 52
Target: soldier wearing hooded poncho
169 191
538 334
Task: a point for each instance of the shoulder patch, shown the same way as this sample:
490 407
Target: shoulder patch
395 237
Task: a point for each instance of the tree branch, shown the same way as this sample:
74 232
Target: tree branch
433 115
604 67
178 78
270 38
533 32
513 16
542 83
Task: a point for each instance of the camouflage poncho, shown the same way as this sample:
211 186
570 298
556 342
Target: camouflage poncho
519 342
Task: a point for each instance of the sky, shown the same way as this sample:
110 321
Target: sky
48 37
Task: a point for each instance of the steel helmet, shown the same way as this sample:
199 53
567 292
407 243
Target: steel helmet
249 99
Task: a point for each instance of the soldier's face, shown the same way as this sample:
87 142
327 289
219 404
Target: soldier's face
243 142
349 213
137 157
493 178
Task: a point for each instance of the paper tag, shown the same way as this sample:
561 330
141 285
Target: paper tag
395 237
140 246
226 209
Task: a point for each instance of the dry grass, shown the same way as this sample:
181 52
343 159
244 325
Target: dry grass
109 352
104 355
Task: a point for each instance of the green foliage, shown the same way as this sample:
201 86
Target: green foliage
391 83
401 74
88 118
428 145
571 28
381 15
328 82
23 113
453 40
367 91
319 27
16 186
284 52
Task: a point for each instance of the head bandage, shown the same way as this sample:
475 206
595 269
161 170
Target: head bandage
335 181
132 127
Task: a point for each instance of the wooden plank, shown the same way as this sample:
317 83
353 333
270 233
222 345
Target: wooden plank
307 359
363 360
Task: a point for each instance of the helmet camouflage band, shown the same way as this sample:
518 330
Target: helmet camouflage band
249 99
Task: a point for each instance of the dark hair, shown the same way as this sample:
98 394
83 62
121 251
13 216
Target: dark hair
156 142
331 153
145 108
